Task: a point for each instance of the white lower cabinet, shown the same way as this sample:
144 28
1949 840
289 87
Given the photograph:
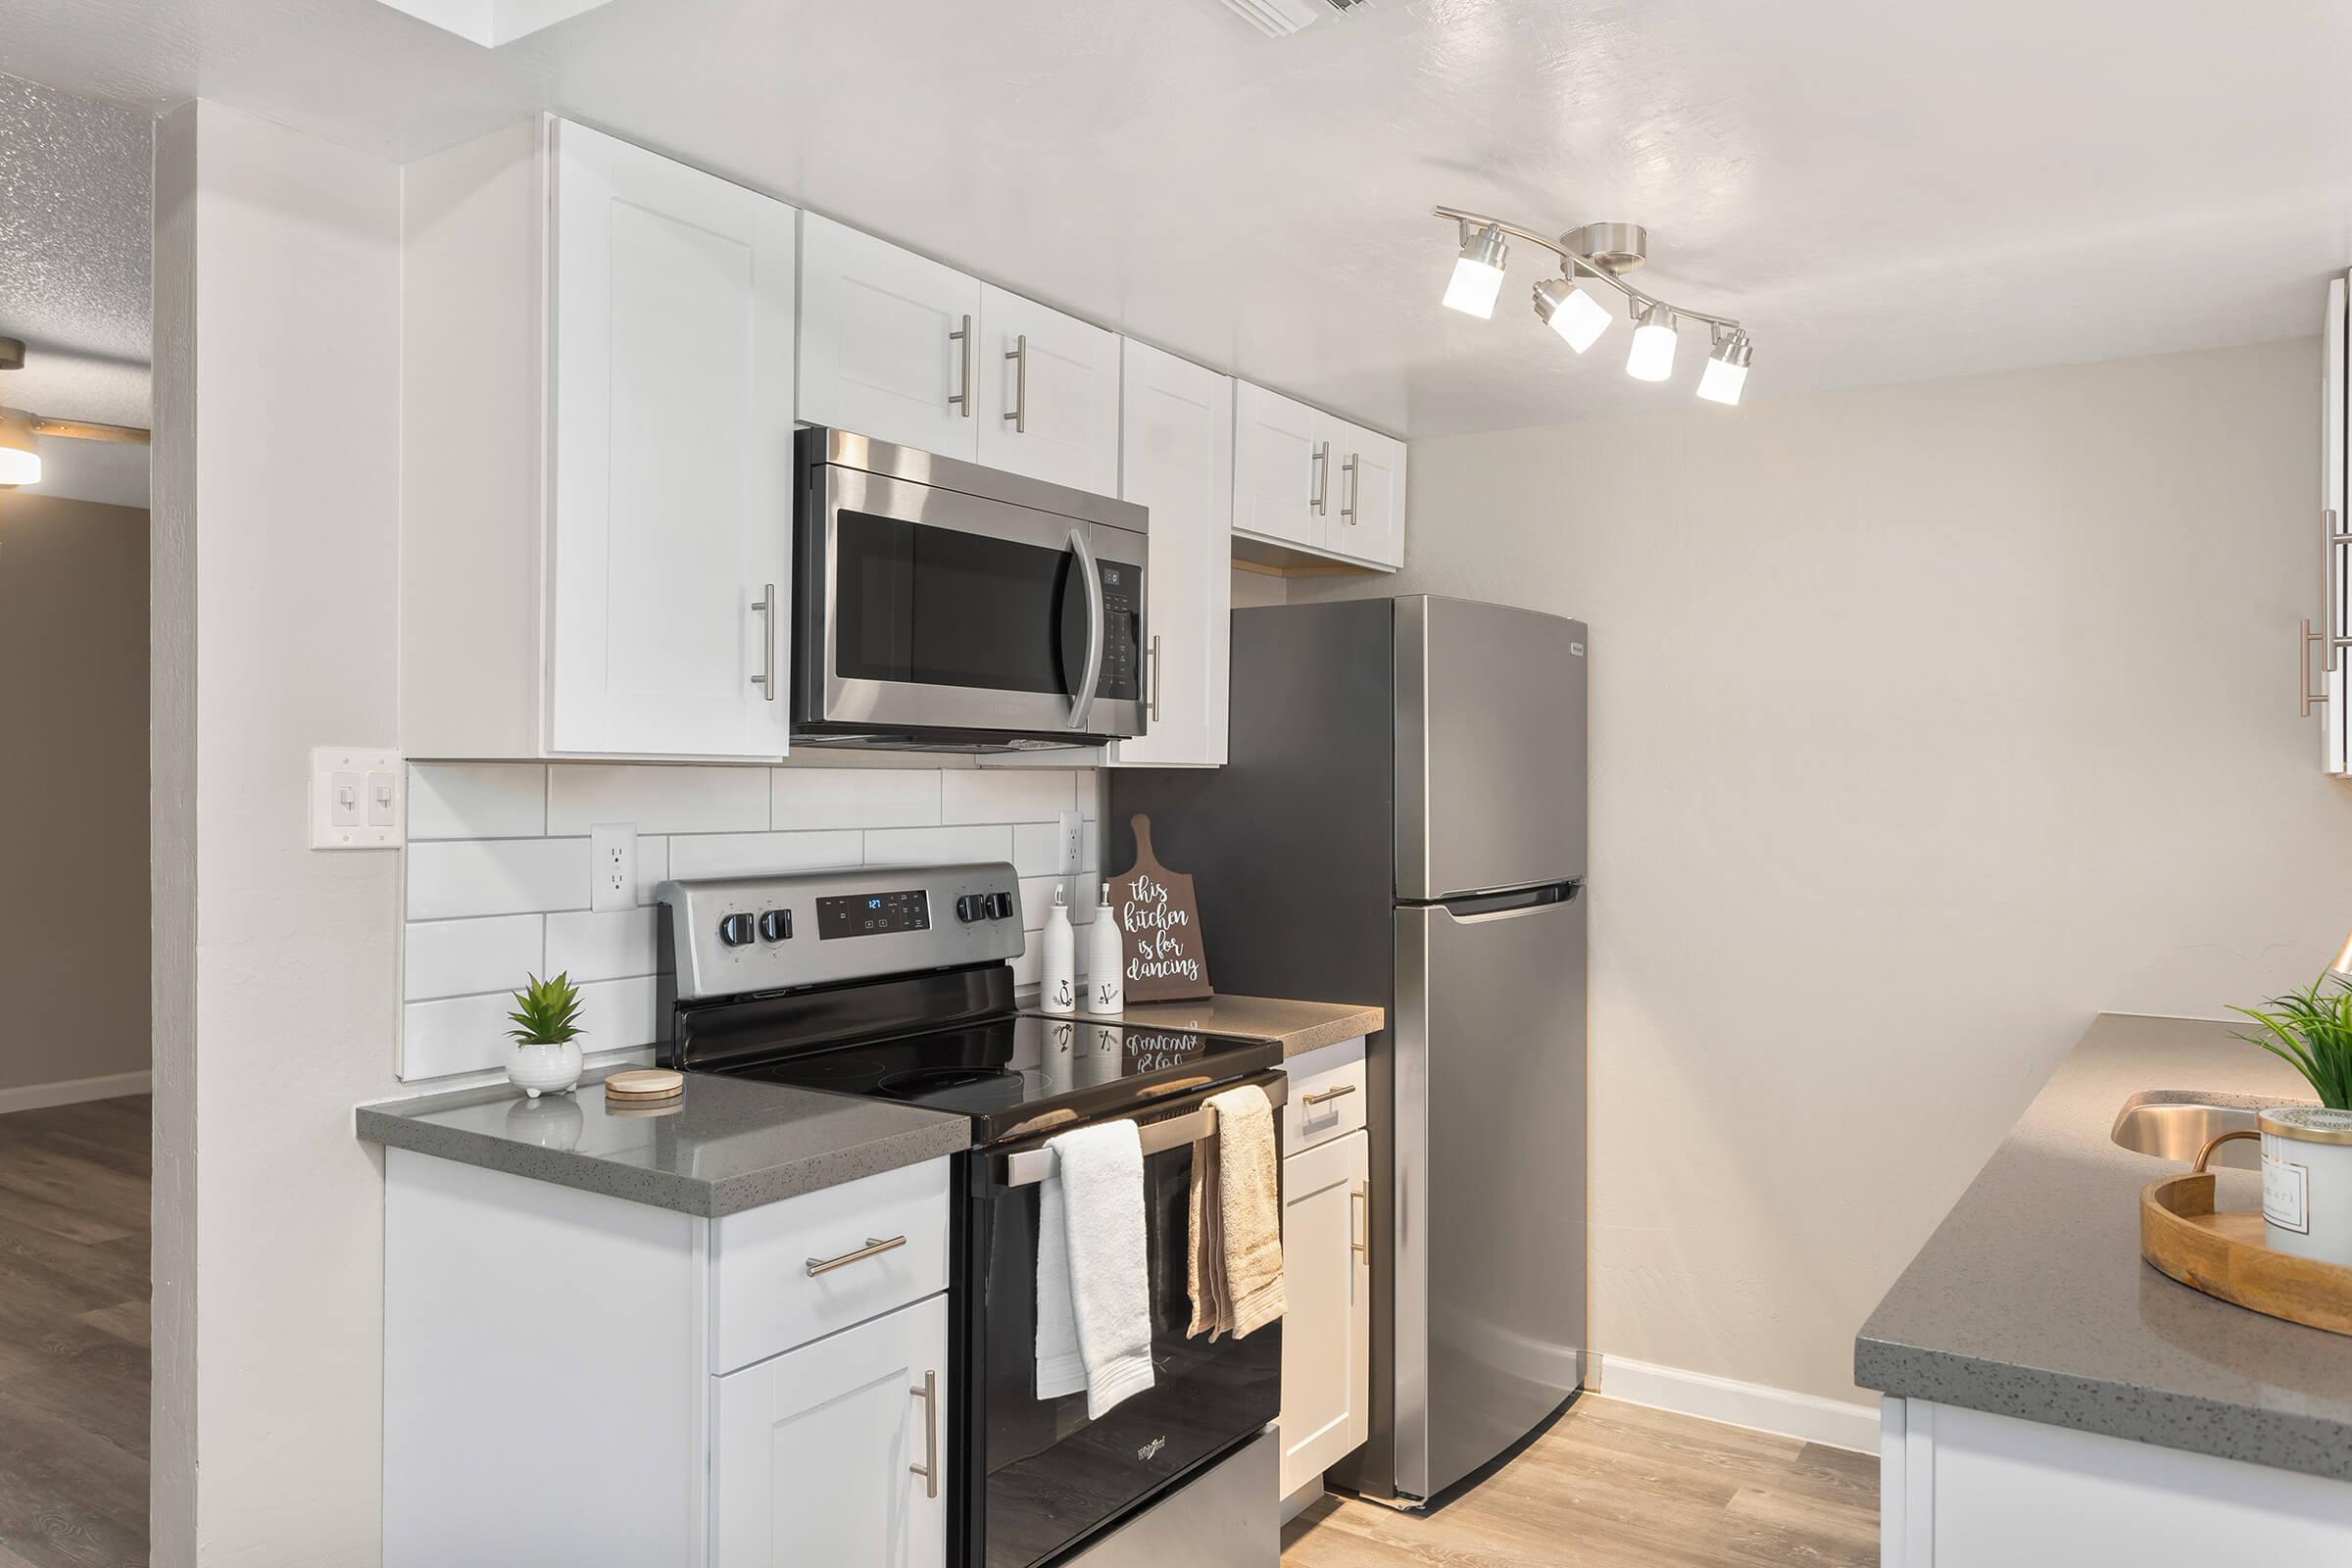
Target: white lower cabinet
1326 1330
831 1455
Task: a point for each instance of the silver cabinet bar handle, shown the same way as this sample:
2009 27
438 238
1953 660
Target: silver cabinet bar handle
1154 678
765 604
1018 414
1322 476
1360 1241
871 1249
961 398
928 1392
1354 483
1326 1096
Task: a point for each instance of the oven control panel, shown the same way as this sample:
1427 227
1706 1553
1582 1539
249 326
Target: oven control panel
735 936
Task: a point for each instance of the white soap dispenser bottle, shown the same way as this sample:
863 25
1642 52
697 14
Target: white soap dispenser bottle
1105 960
1058 985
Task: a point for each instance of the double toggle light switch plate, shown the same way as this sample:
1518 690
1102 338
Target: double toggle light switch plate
359 799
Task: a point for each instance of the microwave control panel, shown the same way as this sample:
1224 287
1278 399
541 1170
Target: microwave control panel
1123 630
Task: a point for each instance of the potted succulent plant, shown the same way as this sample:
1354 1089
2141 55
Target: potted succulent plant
546 1058
2307 1150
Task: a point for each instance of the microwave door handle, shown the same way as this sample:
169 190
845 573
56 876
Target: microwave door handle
1082 701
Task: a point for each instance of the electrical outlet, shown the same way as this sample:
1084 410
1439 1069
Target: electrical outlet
613 857
359 799
1069 849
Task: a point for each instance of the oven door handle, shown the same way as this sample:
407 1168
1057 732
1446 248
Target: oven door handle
1031 1166
1082 701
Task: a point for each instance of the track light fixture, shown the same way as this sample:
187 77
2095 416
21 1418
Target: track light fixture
1602 252
20 451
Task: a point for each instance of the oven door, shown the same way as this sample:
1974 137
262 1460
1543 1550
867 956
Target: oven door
1035 1475
928 609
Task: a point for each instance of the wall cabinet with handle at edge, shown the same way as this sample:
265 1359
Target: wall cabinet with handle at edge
2328 699
597 422
1311 482
906 349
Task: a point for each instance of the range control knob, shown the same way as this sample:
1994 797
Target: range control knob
971 906
999 905
777 924
736 930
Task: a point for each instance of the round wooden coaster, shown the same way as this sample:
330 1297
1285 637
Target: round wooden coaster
651 1083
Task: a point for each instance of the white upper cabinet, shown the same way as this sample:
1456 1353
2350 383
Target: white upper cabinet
1280 467
674 304
891 342
596 443
2328 696
1365 518
1177 462
1048 394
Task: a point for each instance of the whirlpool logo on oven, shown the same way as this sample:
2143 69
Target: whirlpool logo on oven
1151 1451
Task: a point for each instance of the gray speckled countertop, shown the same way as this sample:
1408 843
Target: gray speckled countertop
727 1144
2031 1299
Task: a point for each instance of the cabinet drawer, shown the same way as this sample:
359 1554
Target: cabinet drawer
1326 1096
766 1298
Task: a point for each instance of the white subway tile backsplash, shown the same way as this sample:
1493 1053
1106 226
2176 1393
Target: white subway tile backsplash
1034 850
468 1034
477 800
1005 796
844 797
653 867
659 800
457 878
454 957
603 947
936 846
1030 967
693 854
1037 897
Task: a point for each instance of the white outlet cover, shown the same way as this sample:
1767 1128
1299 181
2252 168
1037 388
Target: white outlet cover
612 868
354 764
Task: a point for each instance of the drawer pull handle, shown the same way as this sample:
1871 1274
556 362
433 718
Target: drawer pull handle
871 1249
1326 1096
928 1392
1360 1241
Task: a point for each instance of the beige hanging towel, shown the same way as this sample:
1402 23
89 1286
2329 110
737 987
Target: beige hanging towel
1236 1219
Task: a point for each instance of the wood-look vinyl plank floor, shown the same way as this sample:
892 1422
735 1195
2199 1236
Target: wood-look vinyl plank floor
74 1335
1616 1485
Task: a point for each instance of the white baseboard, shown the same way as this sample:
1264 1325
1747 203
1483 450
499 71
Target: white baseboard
72 1091
1807 1416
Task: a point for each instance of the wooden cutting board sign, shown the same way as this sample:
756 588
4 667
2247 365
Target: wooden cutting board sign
1159 927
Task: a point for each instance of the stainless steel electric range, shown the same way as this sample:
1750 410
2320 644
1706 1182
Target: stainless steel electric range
895 983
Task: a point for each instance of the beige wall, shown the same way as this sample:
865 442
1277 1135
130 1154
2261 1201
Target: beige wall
1927 722
73 789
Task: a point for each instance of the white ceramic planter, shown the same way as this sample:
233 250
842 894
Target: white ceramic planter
2307 1181
544 1069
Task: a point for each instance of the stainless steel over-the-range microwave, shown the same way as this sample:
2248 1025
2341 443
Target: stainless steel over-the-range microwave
943 605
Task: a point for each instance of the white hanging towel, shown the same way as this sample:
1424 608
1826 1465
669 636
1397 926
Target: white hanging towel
1093 1283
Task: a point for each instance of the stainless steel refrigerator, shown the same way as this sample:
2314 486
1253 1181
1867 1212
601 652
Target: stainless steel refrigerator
1402 821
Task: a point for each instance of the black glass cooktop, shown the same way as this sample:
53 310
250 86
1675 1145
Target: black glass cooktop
1018 1076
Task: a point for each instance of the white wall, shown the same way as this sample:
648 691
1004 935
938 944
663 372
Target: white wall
276 532
498 871
1927 723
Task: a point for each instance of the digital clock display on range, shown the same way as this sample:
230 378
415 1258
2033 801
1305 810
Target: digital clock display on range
871 915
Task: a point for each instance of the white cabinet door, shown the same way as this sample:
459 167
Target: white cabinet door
1048 394
673 517
2336 724
1176 461
819 1450
889 342
1366 520
1281 473
1327 1329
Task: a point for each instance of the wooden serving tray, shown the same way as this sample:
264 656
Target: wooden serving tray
2226 1255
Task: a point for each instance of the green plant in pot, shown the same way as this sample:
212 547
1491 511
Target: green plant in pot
546 1058
2307 1150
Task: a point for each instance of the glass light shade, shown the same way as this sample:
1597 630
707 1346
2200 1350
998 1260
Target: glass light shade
1652 356
1569 311
2343 960
1478 274
20 454
1722 380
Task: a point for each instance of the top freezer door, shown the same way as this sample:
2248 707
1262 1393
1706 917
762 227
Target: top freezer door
1489 748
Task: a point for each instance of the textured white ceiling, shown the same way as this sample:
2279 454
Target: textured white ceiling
75 239
1884 192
